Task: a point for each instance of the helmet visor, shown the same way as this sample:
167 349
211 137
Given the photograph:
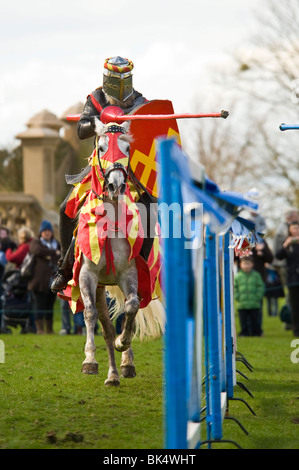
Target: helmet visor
118 85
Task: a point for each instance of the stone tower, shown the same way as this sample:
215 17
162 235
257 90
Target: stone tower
39 143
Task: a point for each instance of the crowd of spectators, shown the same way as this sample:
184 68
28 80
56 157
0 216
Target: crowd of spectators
271 274
36 299
265 273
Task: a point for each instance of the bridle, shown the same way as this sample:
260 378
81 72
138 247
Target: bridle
113 129
127 171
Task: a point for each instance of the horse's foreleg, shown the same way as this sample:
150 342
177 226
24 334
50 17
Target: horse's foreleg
88 285
129 285
109 336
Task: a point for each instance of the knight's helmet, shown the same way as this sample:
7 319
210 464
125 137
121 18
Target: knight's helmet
117 79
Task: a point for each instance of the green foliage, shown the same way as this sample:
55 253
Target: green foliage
11 169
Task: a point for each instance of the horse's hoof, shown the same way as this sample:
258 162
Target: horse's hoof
128 372
112 382
91 368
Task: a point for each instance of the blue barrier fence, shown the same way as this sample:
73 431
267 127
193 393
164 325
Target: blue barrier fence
200 348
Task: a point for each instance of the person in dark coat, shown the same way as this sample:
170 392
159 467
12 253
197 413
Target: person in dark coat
46 250
290 252
262 255
274 290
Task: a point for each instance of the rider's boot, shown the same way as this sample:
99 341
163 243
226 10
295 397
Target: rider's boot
65 270
60 281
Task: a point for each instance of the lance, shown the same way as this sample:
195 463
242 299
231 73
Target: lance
287 127
116 114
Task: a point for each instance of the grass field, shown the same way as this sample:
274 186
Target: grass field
46 403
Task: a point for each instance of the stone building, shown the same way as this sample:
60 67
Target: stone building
39 142
50 148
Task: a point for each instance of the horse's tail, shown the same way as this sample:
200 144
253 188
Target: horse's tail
149 321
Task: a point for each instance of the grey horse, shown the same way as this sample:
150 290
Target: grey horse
113 143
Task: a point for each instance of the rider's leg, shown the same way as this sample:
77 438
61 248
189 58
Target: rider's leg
66 229
149 217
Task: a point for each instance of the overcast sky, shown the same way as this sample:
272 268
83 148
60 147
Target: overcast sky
52 52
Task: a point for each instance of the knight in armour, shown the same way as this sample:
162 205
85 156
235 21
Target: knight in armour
117 90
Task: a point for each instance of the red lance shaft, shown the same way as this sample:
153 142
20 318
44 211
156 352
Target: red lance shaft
116 114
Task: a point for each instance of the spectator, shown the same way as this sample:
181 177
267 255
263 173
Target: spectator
16 255
77 318
5 243
289 251
291 215
249 291
262 255
79 325
4 232
274 290
47 251
3 262
65 318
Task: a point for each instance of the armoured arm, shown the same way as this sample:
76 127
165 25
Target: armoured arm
85 126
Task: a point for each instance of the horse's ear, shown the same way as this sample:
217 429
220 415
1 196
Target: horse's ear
126 126
98 126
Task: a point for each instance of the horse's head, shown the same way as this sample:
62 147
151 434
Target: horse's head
114 155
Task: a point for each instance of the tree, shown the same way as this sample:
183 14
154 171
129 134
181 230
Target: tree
11 174
273 59
269 75
225 154
263 88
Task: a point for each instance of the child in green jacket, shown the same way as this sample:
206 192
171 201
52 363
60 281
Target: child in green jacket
249 291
